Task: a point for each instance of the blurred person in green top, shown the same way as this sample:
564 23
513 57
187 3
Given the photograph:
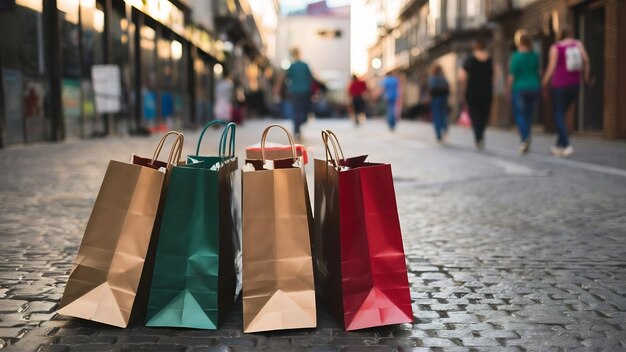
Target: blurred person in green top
525 86
299 82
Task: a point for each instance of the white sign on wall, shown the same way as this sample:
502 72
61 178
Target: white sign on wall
107 88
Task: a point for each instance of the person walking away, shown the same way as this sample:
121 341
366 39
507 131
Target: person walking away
356 91
299 83
524 84
439 91
566 61
476 78
390 86
223 99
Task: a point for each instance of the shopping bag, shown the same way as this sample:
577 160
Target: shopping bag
464 118
278 285
111 273
194 276
358 244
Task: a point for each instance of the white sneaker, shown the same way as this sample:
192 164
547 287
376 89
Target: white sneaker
567 151
556 151
523 148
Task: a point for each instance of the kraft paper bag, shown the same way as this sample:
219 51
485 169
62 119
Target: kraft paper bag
194 283
360 258
278 284
111 273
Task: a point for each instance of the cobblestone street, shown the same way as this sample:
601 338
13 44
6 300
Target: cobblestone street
505 252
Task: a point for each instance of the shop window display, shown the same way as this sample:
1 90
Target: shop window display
21 50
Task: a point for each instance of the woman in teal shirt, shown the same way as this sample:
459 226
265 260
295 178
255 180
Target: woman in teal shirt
524 83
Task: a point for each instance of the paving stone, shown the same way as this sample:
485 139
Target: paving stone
12 305
81 340
209 349
101 348
367 349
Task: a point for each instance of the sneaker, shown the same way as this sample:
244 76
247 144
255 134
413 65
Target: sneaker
523 148
444 137
556 151
567 151
480 145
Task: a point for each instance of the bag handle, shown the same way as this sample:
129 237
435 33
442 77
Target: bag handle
175 151
328 135
231 149
231 142
291 142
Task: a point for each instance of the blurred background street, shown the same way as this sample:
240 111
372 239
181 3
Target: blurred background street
513 241
505 252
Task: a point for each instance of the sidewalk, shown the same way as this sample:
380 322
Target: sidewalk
591 150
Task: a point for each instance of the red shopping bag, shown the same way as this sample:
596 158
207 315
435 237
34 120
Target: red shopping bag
464 118
360 257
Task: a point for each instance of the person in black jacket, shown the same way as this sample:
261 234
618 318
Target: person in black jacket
476 78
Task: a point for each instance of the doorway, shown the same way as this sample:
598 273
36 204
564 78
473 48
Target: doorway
591 102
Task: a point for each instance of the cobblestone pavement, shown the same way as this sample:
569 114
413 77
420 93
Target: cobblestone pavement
505 252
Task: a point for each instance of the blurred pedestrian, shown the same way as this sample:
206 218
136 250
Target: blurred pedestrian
224 90
567 60
299 83
476 78
357 90
524 85
439 91
391 86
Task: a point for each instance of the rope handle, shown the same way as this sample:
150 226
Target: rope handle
175 151
328 135
231 149
291 142
231 142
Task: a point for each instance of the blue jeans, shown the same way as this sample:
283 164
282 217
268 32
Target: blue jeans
524 101
562 98
439 110
391 113
301 104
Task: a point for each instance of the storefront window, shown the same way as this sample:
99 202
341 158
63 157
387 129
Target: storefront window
148 75
70 85
120 57
92 24
21 47
202 87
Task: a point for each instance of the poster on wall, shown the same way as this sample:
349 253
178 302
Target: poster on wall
107 88
34 93
70 96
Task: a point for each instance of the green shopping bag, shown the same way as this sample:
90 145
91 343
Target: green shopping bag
195 280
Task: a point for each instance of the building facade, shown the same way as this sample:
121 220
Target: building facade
322 35
421 33
54 57
599 110
414 34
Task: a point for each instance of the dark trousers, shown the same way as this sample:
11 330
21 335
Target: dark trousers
479 107
301 105
562 98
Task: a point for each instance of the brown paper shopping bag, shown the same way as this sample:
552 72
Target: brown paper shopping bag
278 287
113 257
